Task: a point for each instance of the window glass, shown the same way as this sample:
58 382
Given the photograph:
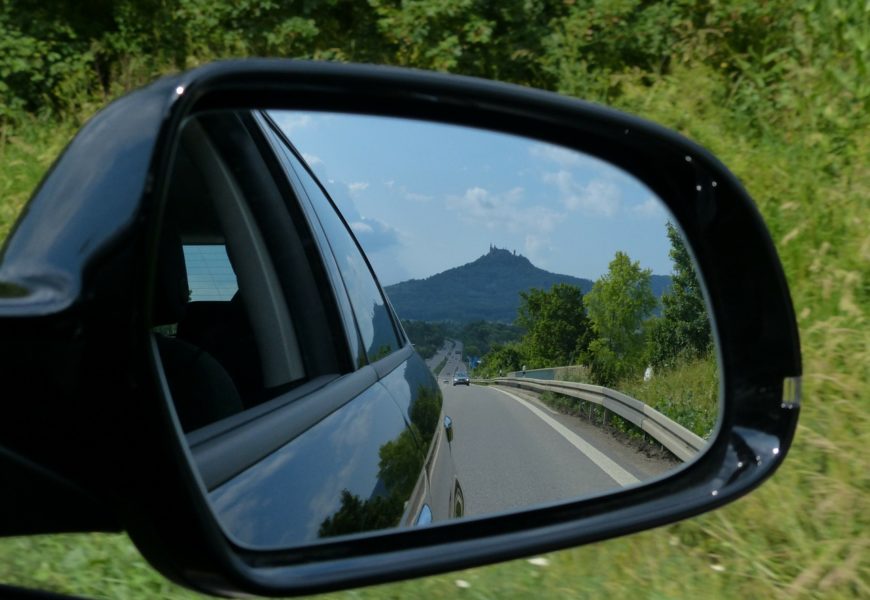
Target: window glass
209 273
372 315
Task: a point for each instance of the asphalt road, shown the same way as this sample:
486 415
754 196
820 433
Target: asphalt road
511 451
446 350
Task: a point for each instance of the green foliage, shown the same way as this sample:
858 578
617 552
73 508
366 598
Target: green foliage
440 367
425 412
426 337
687 392
477 337
399 467
497 40
357 515
684 327
619 303
556 325
501 360
779 90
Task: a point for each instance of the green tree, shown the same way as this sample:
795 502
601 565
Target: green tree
684 328
501 360
556 325
618 306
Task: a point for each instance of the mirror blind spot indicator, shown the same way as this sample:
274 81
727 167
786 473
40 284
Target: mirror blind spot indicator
791 392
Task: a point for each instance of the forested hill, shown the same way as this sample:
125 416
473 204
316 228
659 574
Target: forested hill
486 289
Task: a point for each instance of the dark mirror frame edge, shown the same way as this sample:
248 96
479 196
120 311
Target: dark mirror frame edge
751 310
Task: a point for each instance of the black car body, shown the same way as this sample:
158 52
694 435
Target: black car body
461 378
289 348
367 379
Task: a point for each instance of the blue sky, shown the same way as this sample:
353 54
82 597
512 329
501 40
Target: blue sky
424 197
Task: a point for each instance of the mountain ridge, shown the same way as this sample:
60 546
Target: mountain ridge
485 289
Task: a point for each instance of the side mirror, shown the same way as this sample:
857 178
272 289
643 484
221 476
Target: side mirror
217 369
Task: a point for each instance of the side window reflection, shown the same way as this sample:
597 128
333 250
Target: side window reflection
373 318
210 275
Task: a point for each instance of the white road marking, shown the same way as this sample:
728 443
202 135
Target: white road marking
602 461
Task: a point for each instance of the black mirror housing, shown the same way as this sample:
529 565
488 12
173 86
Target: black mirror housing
76 276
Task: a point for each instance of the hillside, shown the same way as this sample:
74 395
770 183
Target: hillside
486 289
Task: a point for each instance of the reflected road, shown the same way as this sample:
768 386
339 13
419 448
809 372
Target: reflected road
512 451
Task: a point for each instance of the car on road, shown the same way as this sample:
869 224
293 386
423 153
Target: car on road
461 378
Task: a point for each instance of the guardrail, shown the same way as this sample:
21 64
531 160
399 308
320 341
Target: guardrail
680 441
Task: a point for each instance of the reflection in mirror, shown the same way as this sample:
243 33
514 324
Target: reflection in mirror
563 347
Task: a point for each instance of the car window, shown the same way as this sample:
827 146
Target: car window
225 332
375 323
210 275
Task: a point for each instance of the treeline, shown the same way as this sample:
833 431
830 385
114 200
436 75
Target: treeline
611 330
57 56
478 337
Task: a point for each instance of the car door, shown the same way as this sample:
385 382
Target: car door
437 493
276 379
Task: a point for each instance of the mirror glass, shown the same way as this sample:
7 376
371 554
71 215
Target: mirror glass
368 323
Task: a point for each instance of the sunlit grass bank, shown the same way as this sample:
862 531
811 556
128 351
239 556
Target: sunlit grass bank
795 131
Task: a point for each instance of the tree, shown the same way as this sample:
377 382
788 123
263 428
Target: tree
618 306
684 328
556 325
501 360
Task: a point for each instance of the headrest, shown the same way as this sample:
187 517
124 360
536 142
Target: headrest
171 291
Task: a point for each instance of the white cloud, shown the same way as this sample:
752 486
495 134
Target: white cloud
357 186
565 157
651 207
372 233
361 228
492 210
311 159
597 197
503 211
290 121
537 248
415 197
401 191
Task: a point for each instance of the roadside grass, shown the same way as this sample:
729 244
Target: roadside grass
577 373
804 534
25 154
440 367
687 393
90 565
